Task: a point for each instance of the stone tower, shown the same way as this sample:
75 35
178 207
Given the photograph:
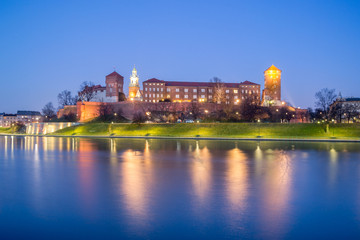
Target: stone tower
272 87
114 86
134 87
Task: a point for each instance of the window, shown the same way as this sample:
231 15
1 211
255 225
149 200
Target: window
146 89
202 90
227 91
195 90
161 89
210 96
168 89
177 96
168 96
157 89
157 84
145 95
154 95
145 83
177 90
202 96
154 89
186 96
194 96
245 91
157 95
162 95
210 90
186 90
235 97
227 97
235 91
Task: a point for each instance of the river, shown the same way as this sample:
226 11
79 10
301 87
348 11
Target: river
76 188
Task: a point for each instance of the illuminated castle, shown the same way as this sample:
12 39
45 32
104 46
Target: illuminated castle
134 87
272 87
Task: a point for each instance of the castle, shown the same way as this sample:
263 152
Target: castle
155 90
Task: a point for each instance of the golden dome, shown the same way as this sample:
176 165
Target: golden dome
272 68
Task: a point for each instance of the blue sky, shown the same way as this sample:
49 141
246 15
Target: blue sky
49 46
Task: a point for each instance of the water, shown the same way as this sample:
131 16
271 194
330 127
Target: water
71 188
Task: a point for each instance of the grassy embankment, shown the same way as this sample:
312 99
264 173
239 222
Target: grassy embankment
7 130
222 130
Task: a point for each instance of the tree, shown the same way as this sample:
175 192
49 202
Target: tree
324 98
106 112
65 98
49 111
87 92
219 90
249 109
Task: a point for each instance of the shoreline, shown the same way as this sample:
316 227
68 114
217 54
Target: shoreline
285 139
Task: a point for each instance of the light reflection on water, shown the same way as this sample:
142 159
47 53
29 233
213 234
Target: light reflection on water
185 189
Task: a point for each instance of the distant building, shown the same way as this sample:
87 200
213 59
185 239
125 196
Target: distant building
272 87
28 116
134 87
155 90
7 120
109 93
346 109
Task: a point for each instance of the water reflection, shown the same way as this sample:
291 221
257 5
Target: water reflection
254 189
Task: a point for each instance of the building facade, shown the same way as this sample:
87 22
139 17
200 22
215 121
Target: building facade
272 87
24 117
155 90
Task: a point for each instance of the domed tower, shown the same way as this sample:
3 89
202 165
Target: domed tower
272 86
134 87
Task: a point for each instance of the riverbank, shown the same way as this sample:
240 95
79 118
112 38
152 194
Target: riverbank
263 131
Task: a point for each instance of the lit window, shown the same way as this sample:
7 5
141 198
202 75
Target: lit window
145 95
194 96
168 89
177 96
161 89
202 96
168 96
146 89
154 95
227 91
157 95
235 97
157 89
186 90
235 91
210 96
202 90
186 96
154 89
177 90
210 90
195 90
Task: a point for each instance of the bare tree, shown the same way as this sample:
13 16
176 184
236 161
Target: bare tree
87 92
65 98
219 90
324 98
49 111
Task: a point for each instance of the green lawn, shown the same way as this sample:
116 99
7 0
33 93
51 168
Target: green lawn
231 130
5 130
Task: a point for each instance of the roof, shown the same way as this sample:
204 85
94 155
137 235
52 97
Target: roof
352 99
248 83
33 113
272 67
114 73
196 84
154 80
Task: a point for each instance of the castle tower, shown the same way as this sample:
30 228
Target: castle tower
134 87
114 86
272 86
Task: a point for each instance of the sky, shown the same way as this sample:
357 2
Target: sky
50 46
